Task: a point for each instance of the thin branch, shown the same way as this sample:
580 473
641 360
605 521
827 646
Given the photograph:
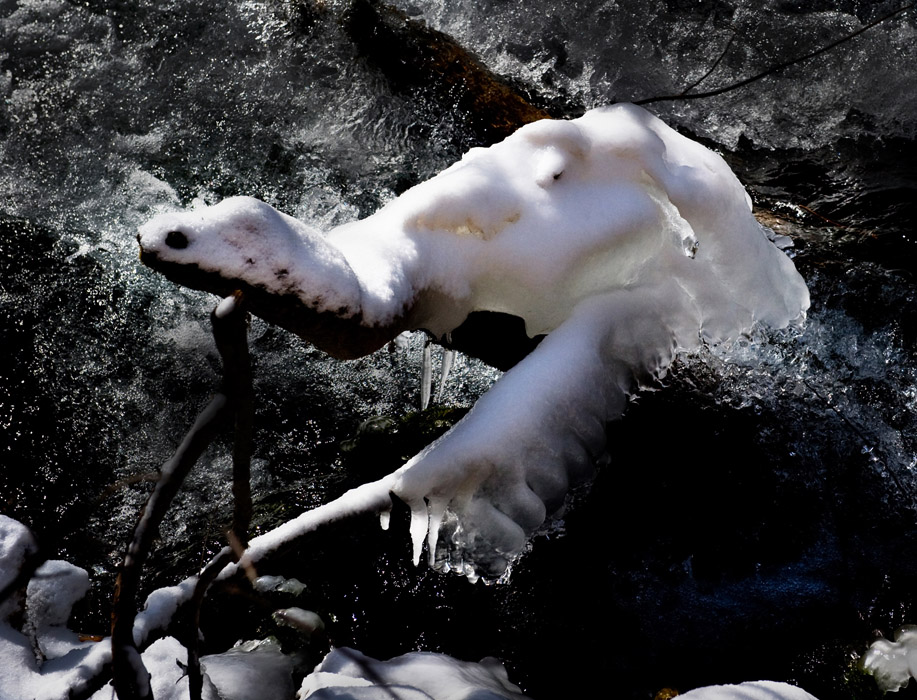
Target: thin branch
230 332
712 68
776 68
129 676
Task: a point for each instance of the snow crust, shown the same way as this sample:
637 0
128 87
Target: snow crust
622 239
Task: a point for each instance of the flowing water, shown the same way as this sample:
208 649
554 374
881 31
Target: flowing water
113 110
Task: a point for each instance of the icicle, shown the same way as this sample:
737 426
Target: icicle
420 523
448 359
426 376
437 509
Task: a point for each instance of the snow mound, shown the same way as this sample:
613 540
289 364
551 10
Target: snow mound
753 690
346 673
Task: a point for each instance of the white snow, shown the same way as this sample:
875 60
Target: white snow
51 594
558 211
16 544
753 690
622 239
893 663
346 673
43 659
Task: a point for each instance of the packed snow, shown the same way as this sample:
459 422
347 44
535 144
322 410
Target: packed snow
623 240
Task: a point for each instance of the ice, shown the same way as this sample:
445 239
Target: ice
251 670
306 622
623 240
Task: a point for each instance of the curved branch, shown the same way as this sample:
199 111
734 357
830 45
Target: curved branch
129 676
712 67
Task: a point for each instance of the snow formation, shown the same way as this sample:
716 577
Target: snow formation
39 657
47 661
893 663
621 239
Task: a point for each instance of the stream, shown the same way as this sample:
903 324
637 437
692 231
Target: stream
114 110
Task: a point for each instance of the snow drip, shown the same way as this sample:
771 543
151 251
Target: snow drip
621 239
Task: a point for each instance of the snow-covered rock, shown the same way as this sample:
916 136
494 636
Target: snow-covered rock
621 239
346 673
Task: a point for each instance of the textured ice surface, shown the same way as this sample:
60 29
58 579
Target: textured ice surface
621 239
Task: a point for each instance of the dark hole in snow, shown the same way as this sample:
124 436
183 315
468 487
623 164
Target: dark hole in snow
176 239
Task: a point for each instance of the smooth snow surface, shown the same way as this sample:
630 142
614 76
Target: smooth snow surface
622 239
756 690
346 673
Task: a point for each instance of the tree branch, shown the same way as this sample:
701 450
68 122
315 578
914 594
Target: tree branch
230 330
686 95
129 676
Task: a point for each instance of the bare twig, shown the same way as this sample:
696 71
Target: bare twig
230 332
712 67
686 95
129 677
